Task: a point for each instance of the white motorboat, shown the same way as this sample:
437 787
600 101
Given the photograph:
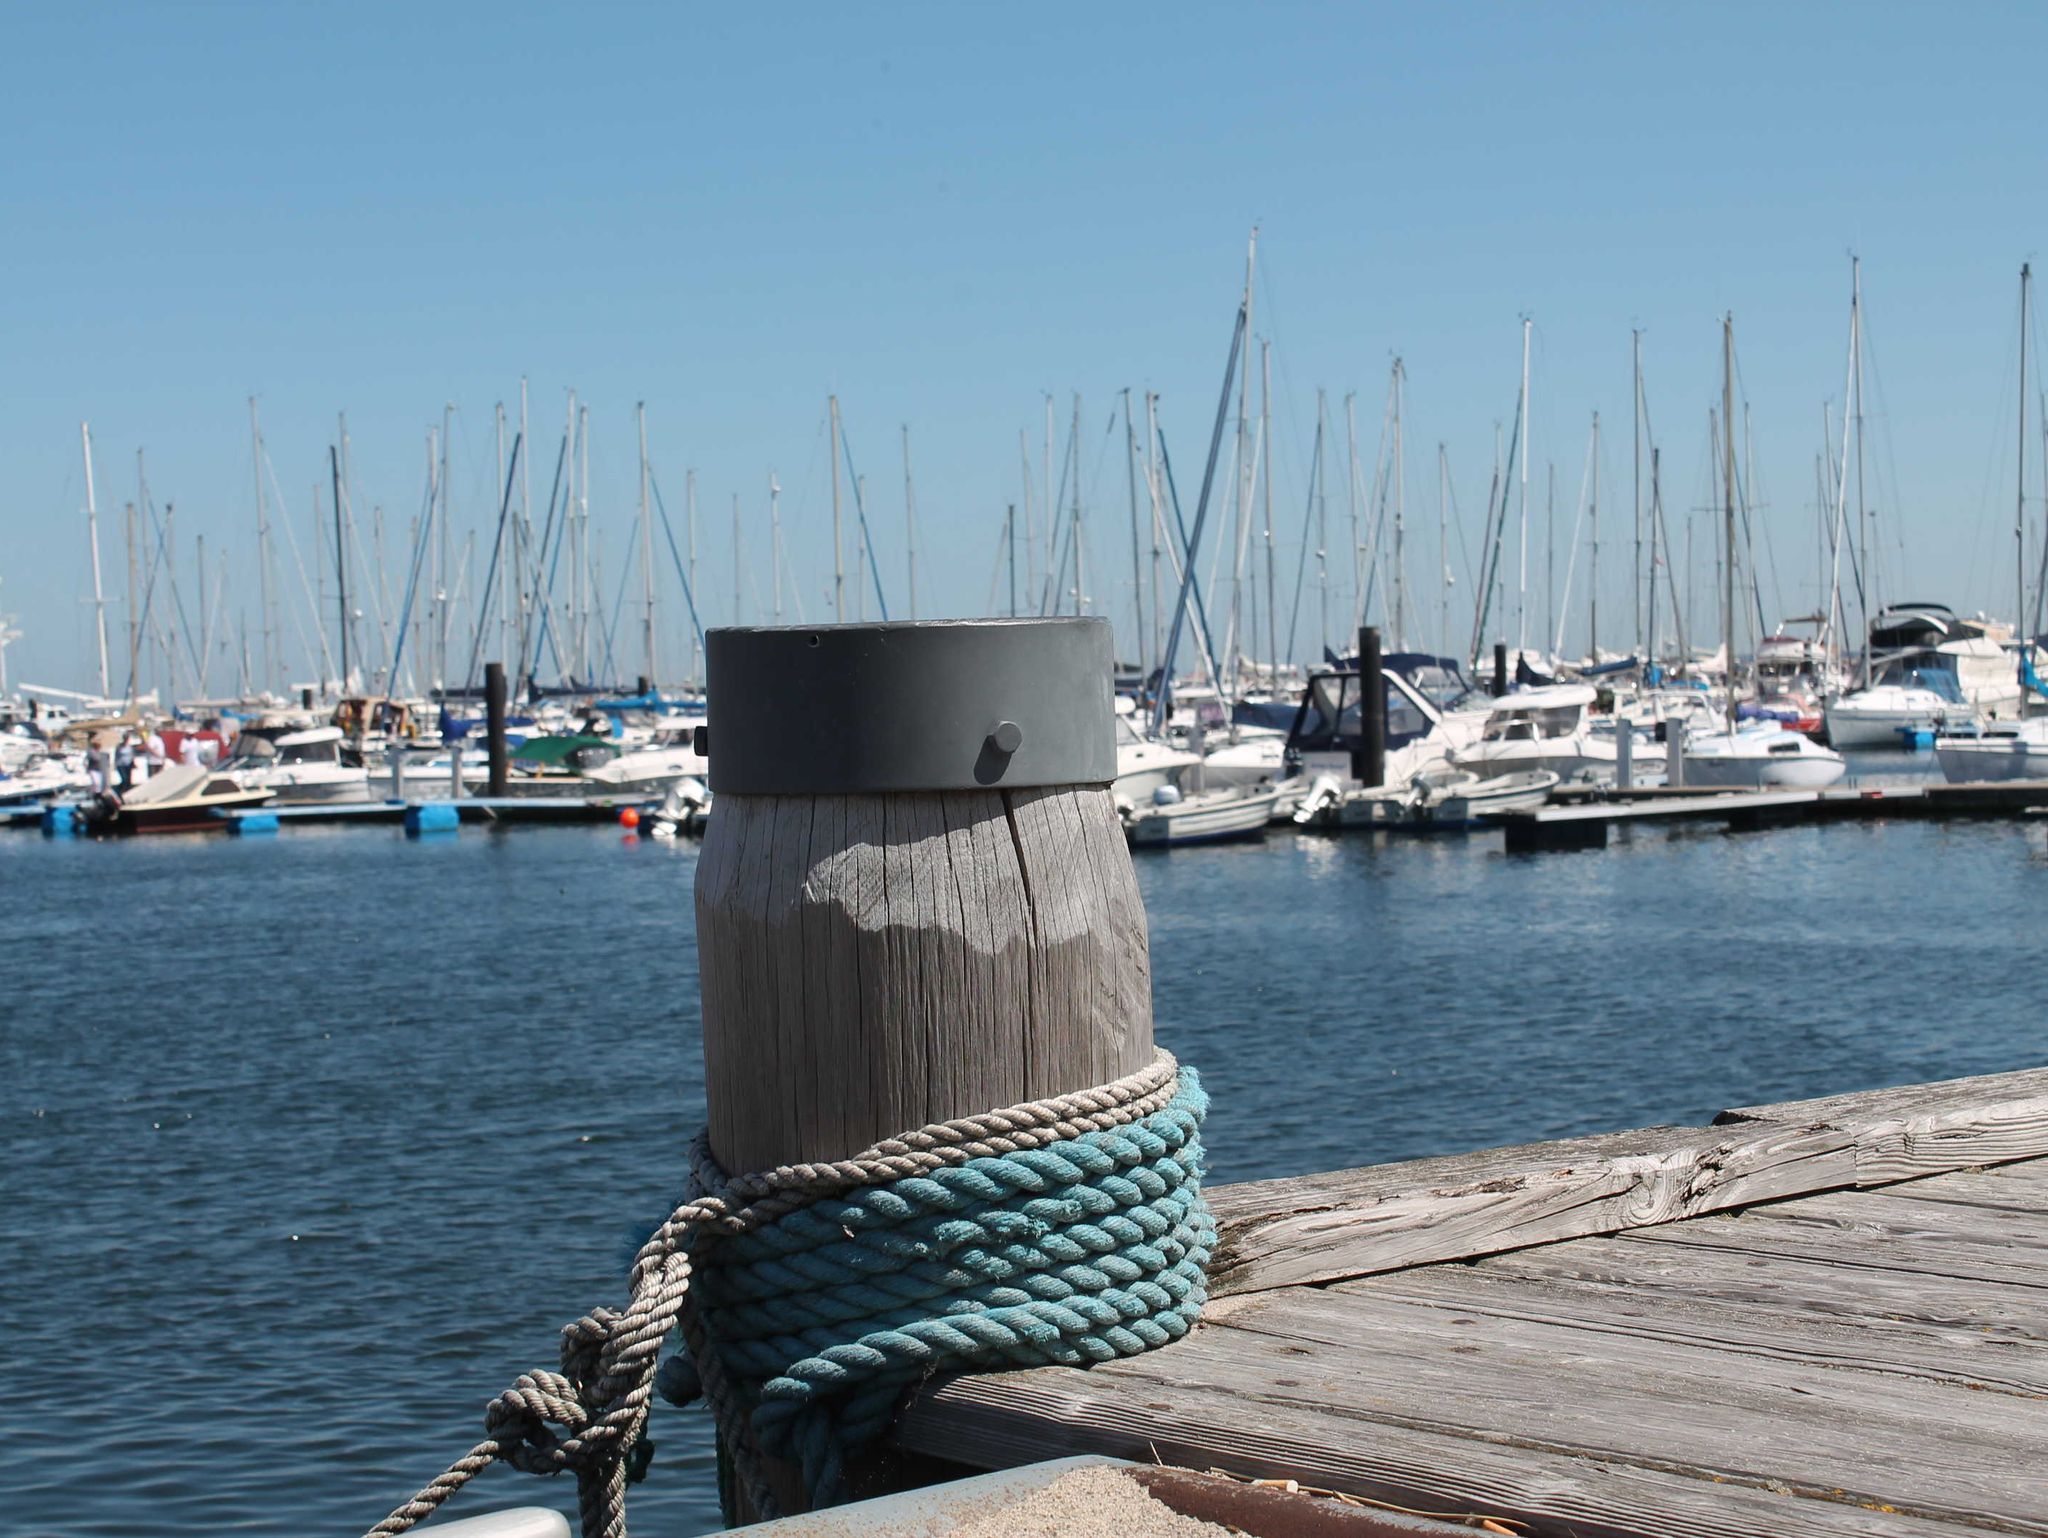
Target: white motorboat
669 760
1207 817
1144 766
685 809
2009 751
308 768
1521 791
1761 755
1546 728
1905 699
1446 799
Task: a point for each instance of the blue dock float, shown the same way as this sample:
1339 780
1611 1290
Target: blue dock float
59 821
429 817
248 824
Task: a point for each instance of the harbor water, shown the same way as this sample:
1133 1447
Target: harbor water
312 1143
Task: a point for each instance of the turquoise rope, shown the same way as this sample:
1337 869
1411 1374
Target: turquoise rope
1074 1253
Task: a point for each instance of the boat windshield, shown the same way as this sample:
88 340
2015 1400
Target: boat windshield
1551 721
1935 674
1328 717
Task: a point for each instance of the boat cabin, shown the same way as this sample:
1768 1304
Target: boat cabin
1931 670
1538 715
1326 721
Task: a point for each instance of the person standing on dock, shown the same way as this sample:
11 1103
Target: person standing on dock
124 762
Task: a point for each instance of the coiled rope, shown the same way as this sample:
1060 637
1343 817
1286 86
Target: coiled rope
1069 1230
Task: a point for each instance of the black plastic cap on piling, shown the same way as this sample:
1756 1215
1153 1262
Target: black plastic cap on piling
943 705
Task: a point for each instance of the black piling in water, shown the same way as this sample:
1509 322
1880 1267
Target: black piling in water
1500 668
494 723
1369 763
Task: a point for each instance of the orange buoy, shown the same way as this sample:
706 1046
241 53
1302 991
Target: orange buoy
629 818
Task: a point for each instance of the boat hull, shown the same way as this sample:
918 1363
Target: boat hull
1971 761
1204 820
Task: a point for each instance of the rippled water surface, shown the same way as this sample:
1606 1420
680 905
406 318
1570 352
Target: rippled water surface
312 1143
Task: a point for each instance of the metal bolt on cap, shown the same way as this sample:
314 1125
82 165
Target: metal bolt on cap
940 705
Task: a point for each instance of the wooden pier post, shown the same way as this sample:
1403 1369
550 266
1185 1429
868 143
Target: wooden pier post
1674 753
914 900
1500 668
494 724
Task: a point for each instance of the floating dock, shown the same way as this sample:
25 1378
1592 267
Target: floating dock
1583 819
1821 1317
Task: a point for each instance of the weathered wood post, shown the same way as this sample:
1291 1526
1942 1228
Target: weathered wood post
1500 668
914 899
1674 752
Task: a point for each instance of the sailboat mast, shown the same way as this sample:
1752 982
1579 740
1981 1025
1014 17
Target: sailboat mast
1400 511
92 531
1443 553
690 533
838 542
646 552
1266 475
1728 506
1052 512
262 562
134 612
1351 506
2019 517
1074 533
1322 528
1866 584
1522 601
910 520
340 563
1137 558
1635 342
1593 573
1158 512
775 541
585 579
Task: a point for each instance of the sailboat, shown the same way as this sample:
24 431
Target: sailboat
1763 754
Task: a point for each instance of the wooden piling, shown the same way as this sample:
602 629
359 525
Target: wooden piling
875 960
873 956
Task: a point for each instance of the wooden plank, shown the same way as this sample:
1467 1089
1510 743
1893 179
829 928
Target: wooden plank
1926 1447
1871 1105
1324 1228
1962 1310
1382 1219
1867 1244
2021 1187
1142 1410
1608 1292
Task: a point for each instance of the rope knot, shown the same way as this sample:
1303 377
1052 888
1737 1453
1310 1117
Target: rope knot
522 1422
1069 1230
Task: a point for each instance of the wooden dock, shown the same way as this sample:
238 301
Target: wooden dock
1821 1317
1582 820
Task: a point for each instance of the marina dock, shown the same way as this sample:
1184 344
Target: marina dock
1818 1317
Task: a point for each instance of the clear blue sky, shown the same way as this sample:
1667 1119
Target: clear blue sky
942 212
